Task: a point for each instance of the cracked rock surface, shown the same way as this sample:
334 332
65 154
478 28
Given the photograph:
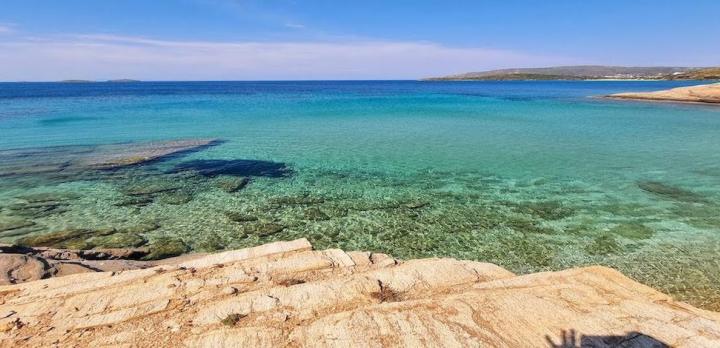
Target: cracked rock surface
286 294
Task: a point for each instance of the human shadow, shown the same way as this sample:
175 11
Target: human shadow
569 339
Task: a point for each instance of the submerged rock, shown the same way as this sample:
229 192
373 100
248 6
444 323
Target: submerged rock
633 231
24 231
8 223
36 210
166 247
117 240
75 161
416 204
263 229
46 197
151 187
209 242
138 201
213 168
297 200
525 251
43 160
315 214
240 217
175 198
232 184
604 244
546 210
141 228
165 190
122 155
701 216
670 192
525 225
66 239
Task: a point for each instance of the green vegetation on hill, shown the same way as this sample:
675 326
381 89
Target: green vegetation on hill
588 72
699 74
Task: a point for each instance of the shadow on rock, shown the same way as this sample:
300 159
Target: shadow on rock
568 339
212 168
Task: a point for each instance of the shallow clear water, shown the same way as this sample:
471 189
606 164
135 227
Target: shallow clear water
529 175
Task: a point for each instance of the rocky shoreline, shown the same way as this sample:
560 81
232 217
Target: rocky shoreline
287 294
706 94
20 264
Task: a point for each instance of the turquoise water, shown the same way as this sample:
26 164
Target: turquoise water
529 175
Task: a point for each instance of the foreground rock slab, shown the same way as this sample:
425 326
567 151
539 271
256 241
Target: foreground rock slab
696 94
286 294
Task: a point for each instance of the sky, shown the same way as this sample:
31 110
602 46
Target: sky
48 40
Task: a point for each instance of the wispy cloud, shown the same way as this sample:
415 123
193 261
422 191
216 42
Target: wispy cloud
6 28
108 56
294 26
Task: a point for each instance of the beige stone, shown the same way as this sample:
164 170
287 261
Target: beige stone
697 94
15 268
286 294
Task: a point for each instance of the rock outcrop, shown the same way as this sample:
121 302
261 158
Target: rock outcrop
286 294
694 94
74 159
20 264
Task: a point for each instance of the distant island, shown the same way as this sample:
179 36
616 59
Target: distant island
588 72
76 81
91 81
123 81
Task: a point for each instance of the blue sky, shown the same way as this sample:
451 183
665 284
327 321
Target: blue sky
323 39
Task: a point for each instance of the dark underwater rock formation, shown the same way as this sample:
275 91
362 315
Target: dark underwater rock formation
670 192
213 168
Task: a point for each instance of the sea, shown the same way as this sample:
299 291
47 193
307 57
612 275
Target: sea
530 175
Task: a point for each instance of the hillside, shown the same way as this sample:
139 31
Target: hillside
588 72
699 74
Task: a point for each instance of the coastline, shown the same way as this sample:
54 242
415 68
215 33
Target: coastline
288 294
654 101
707 94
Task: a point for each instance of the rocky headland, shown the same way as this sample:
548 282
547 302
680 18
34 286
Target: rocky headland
709 94
587 72
287 294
